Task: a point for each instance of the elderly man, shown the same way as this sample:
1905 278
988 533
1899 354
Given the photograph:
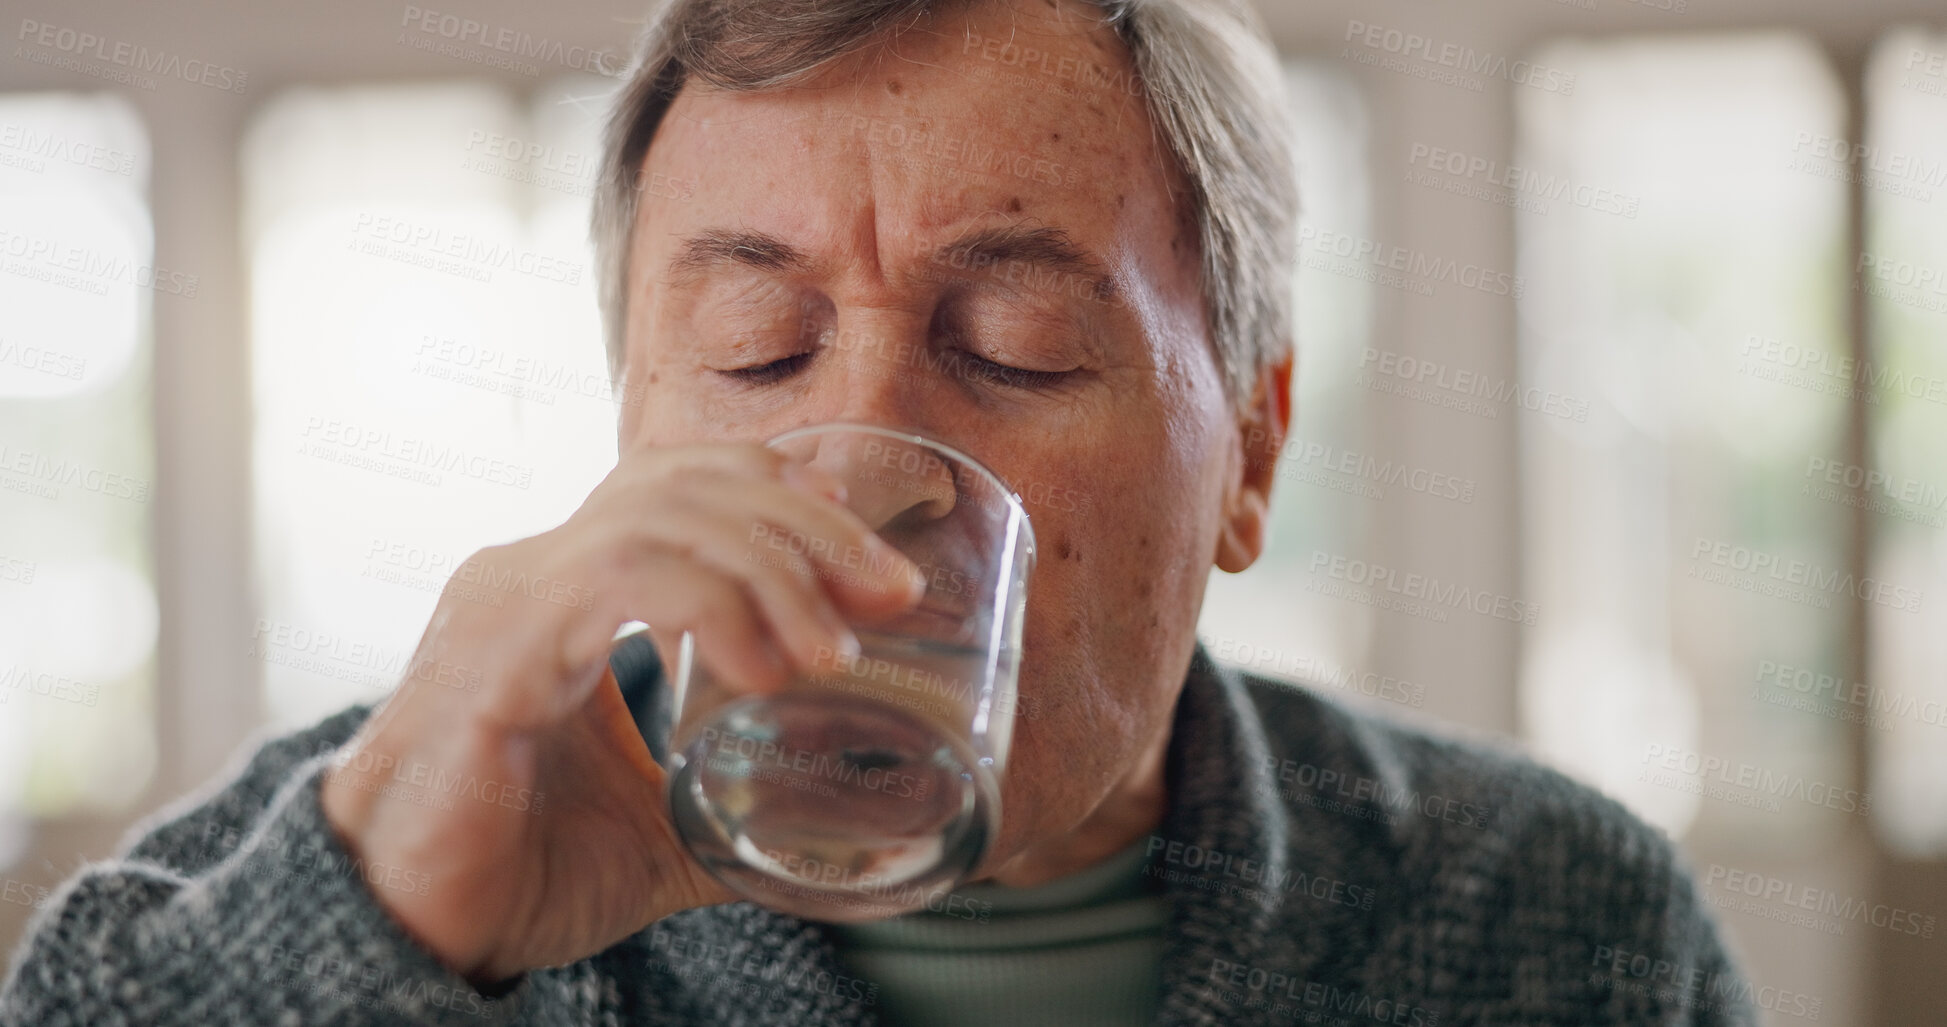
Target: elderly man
1056 234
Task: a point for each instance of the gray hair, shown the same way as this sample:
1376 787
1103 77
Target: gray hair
1206 70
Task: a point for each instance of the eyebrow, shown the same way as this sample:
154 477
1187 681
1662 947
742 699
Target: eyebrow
1049 249
980 251
715 247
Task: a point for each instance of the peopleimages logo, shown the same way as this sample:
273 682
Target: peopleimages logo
17 678
512 373
41 475
1891 171
1522 181
1906 282
1069 74
361 663
1429 268
433 782
1823 371
817 772
1454 59
1356 793
371 985
310 859
20 893
18 570
85 269
512 42
1836 481
1692 987
1309 1001
1315 672
1216 868
1861 699
916 143
436 248
414 459
1822 901
1298 458
1768 574
746 959
1925 71
32 146
1714 770
75 43
1902 272
1382 366
1422 589
52 363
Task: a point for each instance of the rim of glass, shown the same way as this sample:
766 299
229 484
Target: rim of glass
1020 506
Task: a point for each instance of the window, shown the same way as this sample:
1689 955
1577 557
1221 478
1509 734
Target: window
77 596
429 372
1258 620
1664 528
1905 164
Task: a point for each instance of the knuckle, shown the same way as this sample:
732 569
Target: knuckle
716 600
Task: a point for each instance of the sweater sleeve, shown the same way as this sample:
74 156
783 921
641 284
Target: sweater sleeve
1552 903
1679 970
244 909
1628 926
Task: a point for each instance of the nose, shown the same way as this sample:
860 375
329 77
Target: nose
894 485
891 380
888 374
911 496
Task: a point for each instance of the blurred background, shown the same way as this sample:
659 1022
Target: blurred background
1621 430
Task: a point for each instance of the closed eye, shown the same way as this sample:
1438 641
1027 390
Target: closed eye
770 373
973 367
981 369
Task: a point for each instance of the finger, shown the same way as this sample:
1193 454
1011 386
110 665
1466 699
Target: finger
646 472
814 481
864 575
677 593
785 585
746 457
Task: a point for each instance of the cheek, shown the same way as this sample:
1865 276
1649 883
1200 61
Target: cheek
1125 535
669 409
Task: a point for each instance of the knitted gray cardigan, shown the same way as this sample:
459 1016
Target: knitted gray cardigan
1323 866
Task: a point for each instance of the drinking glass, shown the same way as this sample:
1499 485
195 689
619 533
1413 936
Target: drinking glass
870 785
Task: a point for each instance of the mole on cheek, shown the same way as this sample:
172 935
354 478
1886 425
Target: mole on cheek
892 86
1014 205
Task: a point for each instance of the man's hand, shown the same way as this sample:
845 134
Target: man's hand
586 856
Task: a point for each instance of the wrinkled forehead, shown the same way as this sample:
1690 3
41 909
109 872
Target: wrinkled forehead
988 114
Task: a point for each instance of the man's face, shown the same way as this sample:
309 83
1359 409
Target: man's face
945 196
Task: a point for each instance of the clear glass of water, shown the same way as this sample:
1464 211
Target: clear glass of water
869 786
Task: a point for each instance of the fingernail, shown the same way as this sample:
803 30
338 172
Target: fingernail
886 556
844 644
916 584
780 667
915 578
806 478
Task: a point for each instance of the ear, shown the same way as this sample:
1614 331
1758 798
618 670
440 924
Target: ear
1261 427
